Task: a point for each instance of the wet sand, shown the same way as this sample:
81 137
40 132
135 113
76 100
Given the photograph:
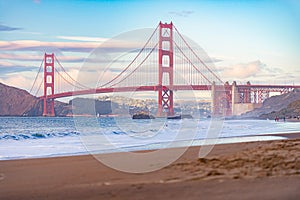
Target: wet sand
252 170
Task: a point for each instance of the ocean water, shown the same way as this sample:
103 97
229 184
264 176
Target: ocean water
31 137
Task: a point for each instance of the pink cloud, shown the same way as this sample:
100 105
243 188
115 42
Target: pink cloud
34 45
243 70
256 71
5 63
29 57
17 80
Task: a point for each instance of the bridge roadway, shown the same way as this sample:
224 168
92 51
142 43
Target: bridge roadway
156 88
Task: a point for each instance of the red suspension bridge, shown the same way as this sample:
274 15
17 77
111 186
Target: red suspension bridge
170 64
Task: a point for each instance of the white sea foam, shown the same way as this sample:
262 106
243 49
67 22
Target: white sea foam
47 137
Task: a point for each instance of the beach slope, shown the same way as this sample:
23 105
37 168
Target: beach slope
253 170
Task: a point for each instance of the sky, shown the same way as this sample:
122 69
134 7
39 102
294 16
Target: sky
256 41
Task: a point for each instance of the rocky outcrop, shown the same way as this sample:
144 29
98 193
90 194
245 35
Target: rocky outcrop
15 102
18 102
274 104
290 112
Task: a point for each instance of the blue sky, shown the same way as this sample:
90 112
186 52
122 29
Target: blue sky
254 40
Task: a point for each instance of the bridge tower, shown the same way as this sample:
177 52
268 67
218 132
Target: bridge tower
165 68
48 85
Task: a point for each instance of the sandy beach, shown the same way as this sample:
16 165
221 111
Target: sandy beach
252 170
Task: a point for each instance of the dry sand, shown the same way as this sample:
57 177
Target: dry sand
253 170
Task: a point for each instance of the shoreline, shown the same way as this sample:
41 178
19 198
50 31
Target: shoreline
230 171
284 136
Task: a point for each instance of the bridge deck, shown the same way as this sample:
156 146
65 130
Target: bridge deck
174 88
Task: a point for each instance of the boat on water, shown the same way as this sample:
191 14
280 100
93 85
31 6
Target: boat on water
174 117
142 115
183 116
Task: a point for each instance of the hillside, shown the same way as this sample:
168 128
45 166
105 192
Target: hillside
275 104
291 111
18 102
15 102
84 106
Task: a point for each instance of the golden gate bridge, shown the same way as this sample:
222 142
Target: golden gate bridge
164 51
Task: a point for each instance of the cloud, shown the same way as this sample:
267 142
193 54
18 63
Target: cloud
8 68
213 60
8 28
34 45
243 70
17 80
5 64
28 57
83 38
256 71
183 13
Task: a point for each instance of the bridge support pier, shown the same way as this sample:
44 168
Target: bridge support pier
235 97
241 99
221 100
165 67
48 85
